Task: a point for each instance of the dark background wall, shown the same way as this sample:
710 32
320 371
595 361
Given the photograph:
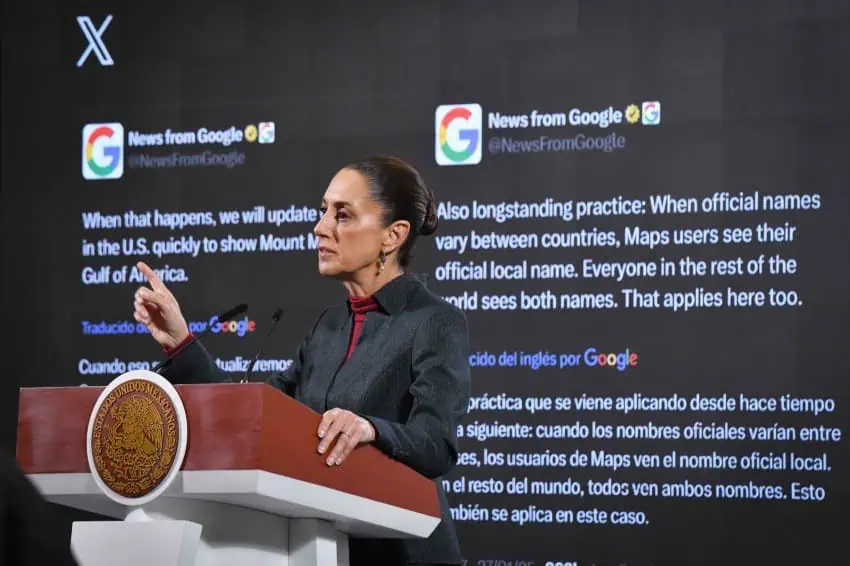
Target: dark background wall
753 99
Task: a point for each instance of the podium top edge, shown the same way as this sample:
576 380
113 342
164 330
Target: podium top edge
178 385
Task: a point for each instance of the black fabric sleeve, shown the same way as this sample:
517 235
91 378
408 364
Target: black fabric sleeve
441 387
196 365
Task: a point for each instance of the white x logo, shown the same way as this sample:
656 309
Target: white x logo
95 43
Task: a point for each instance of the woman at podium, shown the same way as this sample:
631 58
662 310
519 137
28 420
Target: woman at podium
388 367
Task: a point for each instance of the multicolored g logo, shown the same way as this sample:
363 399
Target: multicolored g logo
651 113
458 130
103 151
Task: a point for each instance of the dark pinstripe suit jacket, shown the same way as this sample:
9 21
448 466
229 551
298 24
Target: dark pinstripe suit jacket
409 375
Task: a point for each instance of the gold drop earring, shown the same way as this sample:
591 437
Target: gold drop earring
382 258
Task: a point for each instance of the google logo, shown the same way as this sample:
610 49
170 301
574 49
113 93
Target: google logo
103 151
238 327
469 134
651 113
591 357
619 360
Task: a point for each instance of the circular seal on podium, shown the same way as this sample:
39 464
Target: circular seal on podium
136 438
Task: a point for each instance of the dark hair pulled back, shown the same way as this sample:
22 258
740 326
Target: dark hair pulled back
399 189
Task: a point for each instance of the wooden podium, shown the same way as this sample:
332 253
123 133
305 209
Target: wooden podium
251 489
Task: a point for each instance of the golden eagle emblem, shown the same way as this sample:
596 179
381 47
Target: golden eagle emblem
134 438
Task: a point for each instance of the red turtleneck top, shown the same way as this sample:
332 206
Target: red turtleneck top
359 306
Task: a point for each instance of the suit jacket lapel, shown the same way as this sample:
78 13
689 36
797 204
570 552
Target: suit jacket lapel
350 383
328 363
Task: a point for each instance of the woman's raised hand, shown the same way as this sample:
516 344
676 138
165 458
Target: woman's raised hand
158 310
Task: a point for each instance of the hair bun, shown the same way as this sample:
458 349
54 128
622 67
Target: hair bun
429 226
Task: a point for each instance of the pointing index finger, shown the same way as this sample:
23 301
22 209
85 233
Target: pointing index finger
151 276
